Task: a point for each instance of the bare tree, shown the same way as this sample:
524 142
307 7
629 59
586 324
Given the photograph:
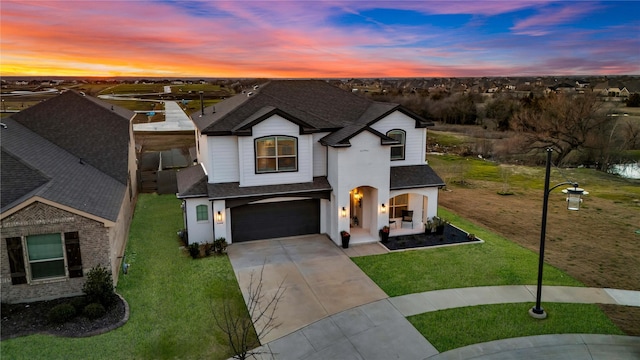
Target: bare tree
244 327
562 122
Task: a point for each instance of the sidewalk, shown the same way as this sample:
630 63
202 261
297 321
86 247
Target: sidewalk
379 330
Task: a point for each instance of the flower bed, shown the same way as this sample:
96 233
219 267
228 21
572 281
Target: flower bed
451 235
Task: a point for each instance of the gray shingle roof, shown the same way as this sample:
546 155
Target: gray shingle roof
414 176
233 190
78 123
60 177
315 105
192 182
19 178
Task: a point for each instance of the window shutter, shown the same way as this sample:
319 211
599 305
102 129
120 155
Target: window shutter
74 259
16 261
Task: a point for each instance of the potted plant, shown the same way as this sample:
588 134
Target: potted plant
384 234
428 227
440 223
345 238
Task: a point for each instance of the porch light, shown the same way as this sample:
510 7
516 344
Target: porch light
344 212
219 217
383 209
574 197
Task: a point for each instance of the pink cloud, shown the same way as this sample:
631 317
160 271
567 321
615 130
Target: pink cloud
547 20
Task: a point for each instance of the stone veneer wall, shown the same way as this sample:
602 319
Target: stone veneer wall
39 218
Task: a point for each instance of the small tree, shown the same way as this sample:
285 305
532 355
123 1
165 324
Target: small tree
244 327
99 287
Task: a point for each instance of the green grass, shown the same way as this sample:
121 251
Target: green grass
446 138
496 262
170 297
454 328
134 89
521 179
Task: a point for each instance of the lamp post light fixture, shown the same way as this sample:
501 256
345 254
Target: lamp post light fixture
344 212
574 198
219 217
383 209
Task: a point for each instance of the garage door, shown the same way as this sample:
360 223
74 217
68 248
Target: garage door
273 220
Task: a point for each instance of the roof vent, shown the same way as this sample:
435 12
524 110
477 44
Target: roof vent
255 87
111 107
4 126
249 93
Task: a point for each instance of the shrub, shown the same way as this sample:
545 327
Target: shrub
99 287
208 248
94 311
61 313
78 303
194 250
220 245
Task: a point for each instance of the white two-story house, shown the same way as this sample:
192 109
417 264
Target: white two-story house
298 157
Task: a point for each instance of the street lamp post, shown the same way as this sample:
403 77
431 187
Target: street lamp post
574 198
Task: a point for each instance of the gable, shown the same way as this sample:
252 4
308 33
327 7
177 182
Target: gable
70 181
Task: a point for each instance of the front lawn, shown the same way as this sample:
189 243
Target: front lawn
496 262
454 328
170 297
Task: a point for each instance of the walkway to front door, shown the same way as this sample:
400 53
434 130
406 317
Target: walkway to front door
319 279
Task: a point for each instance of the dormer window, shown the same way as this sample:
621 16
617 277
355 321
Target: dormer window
276 154
397 151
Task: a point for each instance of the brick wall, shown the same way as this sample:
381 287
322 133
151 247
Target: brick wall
39 218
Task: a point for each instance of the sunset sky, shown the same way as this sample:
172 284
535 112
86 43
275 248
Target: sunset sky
292 39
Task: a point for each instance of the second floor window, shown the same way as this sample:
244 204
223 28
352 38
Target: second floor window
397 151
276 154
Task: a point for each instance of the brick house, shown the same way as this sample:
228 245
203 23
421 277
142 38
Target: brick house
68 190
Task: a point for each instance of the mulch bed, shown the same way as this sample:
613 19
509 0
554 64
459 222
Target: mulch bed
31 318
450 235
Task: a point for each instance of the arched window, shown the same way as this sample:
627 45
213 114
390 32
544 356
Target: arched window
276 154
397 151
202 213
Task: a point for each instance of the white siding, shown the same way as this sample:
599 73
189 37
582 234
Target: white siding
415 143
199 231
365 163
319 155
204 154
223 152
275 125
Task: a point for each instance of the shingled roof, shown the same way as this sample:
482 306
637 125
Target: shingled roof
77 123
414 176
316 106
34 166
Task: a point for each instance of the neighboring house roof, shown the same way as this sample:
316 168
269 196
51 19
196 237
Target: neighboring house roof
77 123
414 176
316 106
32 166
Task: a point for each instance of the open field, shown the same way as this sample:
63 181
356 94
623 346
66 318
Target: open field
596 245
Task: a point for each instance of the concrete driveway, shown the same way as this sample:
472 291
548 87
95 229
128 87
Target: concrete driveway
319 279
